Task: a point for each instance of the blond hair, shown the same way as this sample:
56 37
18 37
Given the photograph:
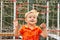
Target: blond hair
32 11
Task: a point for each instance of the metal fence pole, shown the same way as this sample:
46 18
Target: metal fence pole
47 16
14 17
58 18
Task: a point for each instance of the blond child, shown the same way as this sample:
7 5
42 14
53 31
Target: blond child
30 31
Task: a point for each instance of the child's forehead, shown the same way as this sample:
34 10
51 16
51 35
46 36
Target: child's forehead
31 14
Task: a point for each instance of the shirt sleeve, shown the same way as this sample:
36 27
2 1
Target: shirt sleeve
40 30
21 30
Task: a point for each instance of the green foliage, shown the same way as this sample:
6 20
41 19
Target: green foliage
8 10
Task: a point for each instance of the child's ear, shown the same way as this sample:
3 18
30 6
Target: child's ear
25 20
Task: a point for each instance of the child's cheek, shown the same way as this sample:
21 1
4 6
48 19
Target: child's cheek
36 20
28 19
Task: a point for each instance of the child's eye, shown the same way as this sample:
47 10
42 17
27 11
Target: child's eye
33 17
29 17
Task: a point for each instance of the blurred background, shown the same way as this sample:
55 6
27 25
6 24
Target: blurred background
49 13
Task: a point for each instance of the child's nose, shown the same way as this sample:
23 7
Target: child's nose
32 18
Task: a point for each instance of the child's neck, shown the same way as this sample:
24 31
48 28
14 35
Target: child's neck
30 25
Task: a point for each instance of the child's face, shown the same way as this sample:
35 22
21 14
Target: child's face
31 19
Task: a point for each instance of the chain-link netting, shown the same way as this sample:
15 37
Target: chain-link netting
23 6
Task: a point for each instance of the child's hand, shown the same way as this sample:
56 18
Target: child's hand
15 22
43 25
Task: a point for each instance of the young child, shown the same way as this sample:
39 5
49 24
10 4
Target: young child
30 31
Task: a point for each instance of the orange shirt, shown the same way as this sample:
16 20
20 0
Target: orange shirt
28 34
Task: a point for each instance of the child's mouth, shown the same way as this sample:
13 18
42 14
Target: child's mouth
32 21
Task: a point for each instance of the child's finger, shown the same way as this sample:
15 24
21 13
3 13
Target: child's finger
15 22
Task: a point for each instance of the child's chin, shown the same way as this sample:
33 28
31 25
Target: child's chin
32 23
